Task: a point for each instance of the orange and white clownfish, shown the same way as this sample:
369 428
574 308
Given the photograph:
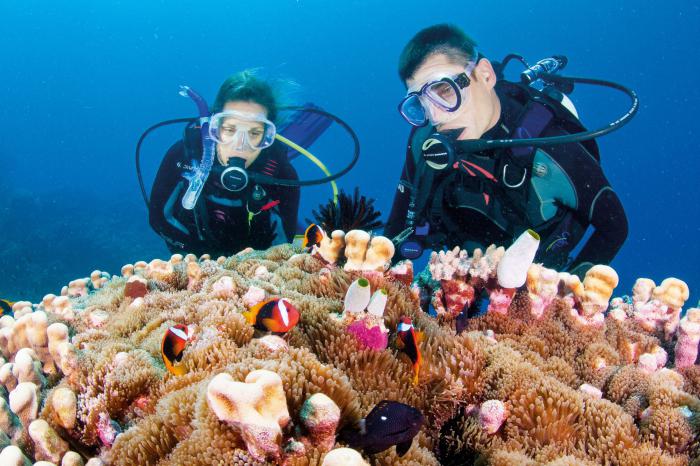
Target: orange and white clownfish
276 315
408 340
312 236
173 347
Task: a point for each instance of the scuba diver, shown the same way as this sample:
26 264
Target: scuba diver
488 159
228 183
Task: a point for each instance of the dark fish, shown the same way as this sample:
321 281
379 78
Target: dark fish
408 340
462 319
276 315
424 299
173 346
389 423
476 308
312 236
6 307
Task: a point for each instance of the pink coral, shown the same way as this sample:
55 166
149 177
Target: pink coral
543 287
107 429
492 414
273 343
452 297
590 390
688 339
620 309
500 299
224 287
369 337
484 264
320 415
659 307
253 296
647 363
402 272
651 315
596 319
449 265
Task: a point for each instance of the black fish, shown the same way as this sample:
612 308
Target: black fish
389 423
424 298
475 309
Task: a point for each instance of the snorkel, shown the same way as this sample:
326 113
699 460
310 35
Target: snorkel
200 171
307 124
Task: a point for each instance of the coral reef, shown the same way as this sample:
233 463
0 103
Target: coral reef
542 371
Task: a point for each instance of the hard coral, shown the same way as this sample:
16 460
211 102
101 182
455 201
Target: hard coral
320 415
257 408
688 339
575 393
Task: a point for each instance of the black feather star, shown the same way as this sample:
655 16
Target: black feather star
351 213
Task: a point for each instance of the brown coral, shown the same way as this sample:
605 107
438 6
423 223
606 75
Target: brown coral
668 429
608 431
545 414
532 365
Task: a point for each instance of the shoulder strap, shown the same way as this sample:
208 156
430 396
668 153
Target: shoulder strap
560 114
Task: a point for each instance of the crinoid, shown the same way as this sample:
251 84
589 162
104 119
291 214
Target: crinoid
354 212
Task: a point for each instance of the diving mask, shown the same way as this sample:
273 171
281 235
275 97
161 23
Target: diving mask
241 130
437 100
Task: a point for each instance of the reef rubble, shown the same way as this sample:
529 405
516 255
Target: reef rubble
552 370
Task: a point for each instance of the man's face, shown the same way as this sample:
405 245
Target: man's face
480 107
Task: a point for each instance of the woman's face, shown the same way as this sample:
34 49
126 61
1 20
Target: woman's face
255 130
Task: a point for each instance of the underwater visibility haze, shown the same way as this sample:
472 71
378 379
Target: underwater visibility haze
81 82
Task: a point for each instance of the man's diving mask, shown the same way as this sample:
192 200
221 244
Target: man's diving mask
437 100
242 131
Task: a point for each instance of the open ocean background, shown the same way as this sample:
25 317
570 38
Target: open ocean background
81 80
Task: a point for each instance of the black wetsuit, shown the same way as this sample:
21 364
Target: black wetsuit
556 190
223 222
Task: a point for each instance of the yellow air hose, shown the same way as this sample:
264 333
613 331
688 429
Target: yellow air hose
314 159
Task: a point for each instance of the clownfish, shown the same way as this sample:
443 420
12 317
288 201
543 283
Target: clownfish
173 347
312 236
276 315
5 307
408 340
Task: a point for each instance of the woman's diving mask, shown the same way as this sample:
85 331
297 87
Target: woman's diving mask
437 100
242 131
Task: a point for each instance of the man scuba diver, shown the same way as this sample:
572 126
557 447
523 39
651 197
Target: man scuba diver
468 181
229 184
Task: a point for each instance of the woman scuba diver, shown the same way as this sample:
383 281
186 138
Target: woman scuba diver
227 213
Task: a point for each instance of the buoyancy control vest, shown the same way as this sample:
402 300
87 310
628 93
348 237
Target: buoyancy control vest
505 186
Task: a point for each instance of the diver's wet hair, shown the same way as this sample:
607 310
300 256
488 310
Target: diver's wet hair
446 39
247 87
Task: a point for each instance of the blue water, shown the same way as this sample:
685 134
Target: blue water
80 81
